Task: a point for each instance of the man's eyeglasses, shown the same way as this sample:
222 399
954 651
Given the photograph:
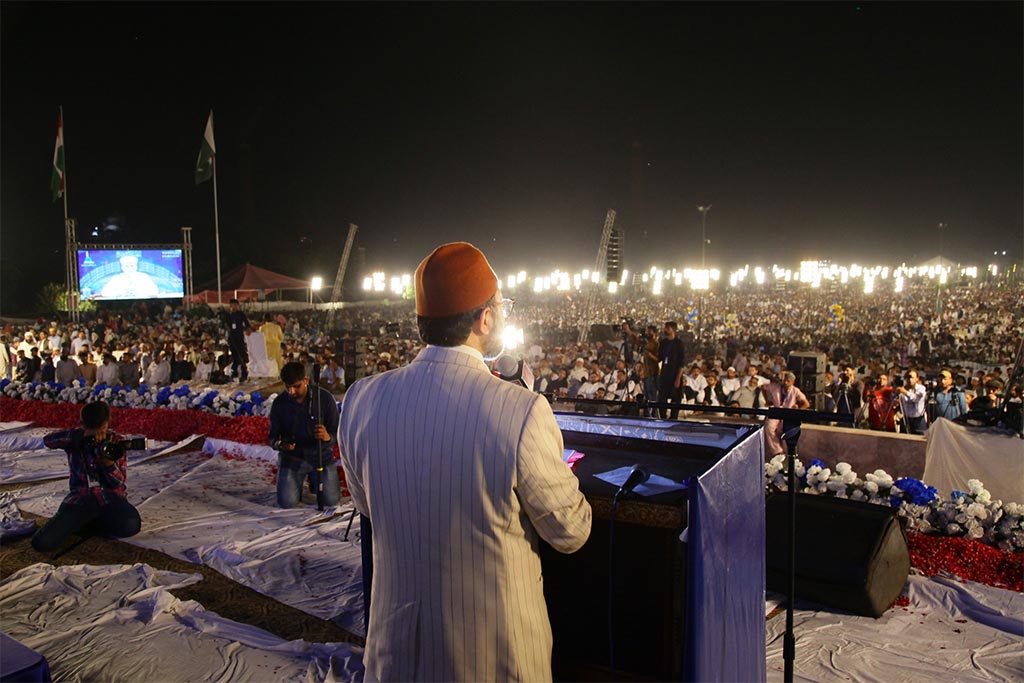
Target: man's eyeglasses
507 306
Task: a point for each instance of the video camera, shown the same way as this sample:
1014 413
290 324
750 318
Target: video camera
115 450
282 442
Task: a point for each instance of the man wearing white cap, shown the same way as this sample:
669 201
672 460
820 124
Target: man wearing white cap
462 475
579 372
731 382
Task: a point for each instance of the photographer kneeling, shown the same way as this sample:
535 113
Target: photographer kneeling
304 440
98 464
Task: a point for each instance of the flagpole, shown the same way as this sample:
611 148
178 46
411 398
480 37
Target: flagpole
216 229
64 191
70 238
65 178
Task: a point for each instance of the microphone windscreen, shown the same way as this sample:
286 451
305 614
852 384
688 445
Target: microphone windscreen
506 366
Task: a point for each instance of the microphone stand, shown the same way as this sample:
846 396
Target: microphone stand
314 405
789 638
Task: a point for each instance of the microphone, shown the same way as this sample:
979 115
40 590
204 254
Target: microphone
637 476
506 367
793 432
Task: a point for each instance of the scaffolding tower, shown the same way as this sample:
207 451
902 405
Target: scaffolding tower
340 277
71 267
609 251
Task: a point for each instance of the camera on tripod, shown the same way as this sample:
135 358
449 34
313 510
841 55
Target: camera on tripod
115 450
901 382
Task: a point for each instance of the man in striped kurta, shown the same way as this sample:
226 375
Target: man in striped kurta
462 475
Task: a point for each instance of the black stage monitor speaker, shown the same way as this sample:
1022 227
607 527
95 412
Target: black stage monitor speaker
850 555
806 363
809 368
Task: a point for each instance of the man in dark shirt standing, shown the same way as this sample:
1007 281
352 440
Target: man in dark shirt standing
237 325
304 440
48 371
181 369
670 380
848 392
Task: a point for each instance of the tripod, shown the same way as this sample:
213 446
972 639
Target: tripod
897 401
314 407
844 400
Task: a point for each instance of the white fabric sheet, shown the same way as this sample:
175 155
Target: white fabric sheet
223 514
247 450
259 364
218 508
24 439
951 631
13 426
955 453
121 623
26 466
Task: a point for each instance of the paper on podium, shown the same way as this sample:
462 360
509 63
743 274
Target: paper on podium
571 457
651 487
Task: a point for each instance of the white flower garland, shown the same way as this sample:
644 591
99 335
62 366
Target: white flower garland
970 513
181 398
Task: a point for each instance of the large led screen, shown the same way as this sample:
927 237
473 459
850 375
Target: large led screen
111 274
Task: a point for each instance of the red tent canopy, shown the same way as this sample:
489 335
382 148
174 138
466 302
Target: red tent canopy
247 282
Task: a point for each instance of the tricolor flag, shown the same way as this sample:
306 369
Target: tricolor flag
57 178
204 165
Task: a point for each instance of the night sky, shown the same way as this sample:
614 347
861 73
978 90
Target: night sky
831 130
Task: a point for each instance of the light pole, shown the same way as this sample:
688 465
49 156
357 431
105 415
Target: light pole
938 281
314 286
703 232
705 280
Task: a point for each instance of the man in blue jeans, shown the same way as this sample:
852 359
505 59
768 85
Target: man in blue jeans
304 439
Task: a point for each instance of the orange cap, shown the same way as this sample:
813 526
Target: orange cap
455 278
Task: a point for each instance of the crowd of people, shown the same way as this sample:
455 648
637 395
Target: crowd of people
893 360
887 354
171 345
